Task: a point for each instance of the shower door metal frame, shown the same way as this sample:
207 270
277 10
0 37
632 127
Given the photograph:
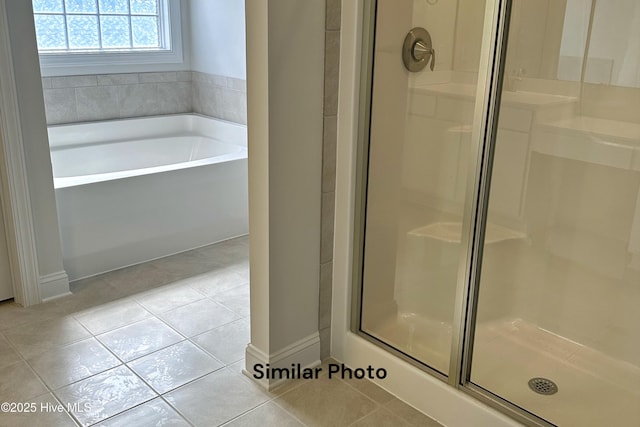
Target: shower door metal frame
485 125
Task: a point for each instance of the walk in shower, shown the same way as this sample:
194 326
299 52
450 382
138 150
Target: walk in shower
499 201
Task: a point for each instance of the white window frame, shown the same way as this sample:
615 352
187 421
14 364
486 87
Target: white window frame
96 62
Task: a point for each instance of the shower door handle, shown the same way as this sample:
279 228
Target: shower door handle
418 51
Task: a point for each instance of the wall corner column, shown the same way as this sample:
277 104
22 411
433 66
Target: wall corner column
285 81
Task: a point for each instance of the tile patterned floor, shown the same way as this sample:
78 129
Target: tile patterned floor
162 344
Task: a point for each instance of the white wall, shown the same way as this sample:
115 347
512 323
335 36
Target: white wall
217 39
34 131
285 118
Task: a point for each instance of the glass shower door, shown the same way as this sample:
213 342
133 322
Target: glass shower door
419 147
557 328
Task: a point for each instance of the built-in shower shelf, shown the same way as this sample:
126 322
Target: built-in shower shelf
451 232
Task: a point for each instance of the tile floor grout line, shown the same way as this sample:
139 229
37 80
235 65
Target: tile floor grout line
234 263
367 396
119 301
38 377
165 311
171 327
35 373
208 330
175 388
209 353
52 390
248 411
202 376
211 296
230 309
365 416
135 406
275 402
120 413
55 345
184 417
124 362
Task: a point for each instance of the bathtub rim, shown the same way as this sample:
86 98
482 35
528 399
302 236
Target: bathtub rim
76 129
73 181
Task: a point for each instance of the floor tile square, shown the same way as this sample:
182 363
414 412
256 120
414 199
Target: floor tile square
87 294
227 342
138 278
112 315
184 265
38 337
381 418
410 414
13 314
19 383
227 253
268 414
8 356
236 300
371 390
326 402
139 339
216 398
215 282
73 362
199 317
168 298
156 412
174 366
104 395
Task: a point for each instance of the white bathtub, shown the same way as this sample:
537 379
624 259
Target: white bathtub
133 190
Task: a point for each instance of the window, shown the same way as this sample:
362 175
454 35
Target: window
106 36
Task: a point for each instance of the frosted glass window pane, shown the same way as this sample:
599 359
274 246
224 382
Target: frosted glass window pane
115 31
50 31
98 24
114 6
147 7
81 6
47 6
83 32
145 31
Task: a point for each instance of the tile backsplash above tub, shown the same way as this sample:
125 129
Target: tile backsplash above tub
73 99
219 96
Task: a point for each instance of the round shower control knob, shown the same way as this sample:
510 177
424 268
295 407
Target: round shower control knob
417 50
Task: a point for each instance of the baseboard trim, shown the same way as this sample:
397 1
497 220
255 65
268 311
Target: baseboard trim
305 352
54 285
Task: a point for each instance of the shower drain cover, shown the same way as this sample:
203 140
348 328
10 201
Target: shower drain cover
543 386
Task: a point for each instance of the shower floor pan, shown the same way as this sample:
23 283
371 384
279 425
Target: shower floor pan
593 389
